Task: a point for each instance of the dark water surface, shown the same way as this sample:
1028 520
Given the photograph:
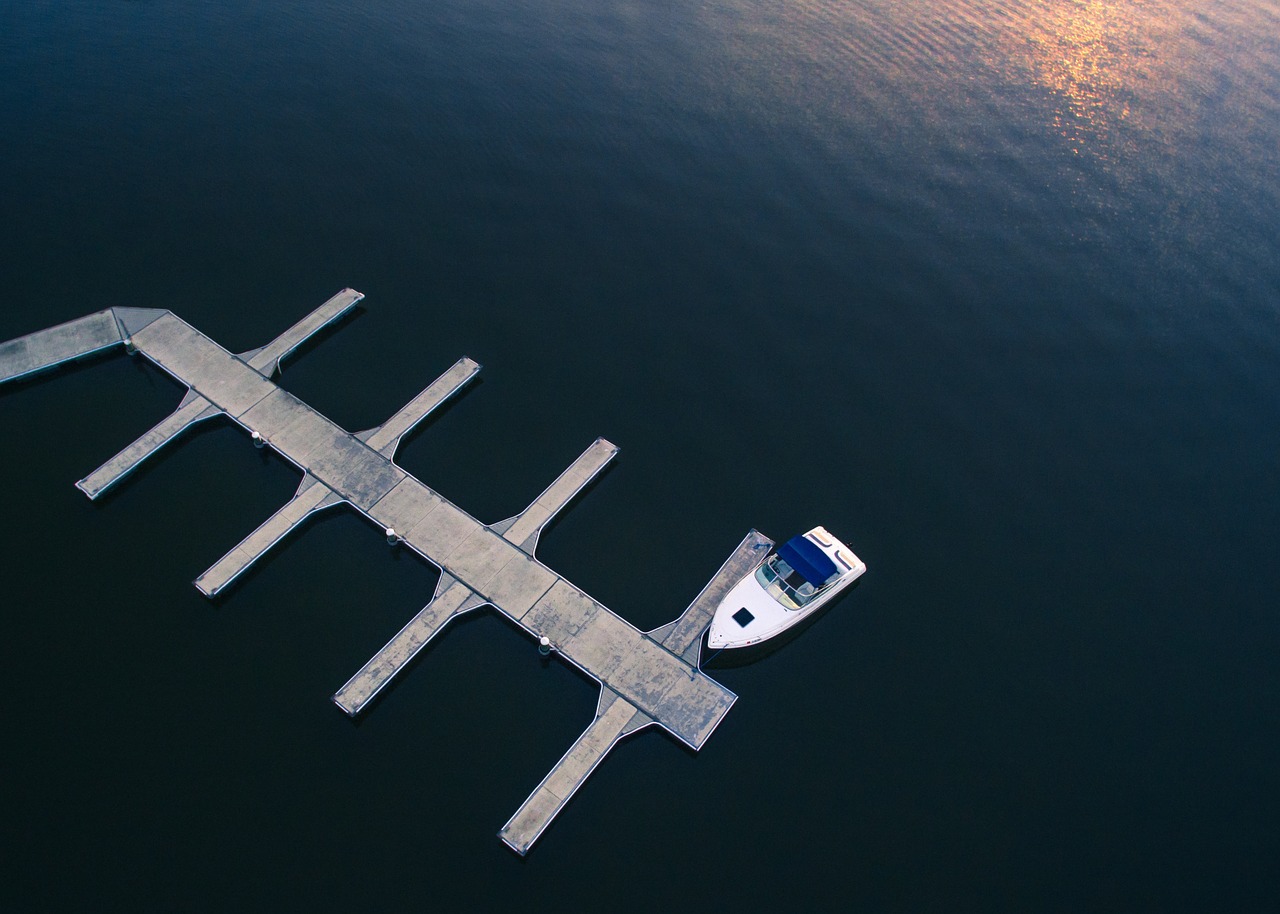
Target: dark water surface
990 289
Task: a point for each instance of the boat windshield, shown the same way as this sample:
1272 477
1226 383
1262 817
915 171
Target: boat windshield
784 583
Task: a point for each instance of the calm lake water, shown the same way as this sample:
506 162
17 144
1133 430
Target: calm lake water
990 289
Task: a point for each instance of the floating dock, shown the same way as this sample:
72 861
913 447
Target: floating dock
646 678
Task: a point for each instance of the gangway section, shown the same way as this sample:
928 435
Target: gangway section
46 348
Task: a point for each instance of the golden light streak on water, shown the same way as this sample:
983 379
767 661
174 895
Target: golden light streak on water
1106 62
1113 72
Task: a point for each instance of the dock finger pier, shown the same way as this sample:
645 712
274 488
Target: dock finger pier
646 678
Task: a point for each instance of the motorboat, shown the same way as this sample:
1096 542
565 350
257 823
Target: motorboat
790 584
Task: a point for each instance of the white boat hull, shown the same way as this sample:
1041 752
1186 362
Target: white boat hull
756 609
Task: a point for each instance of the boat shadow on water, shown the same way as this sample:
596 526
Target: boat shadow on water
732 658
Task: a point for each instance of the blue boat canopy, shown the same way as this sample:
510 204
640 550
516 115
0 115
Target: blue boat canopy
806 557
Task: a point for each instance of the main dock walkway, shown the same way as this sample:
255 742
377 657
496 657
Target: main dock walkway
647 679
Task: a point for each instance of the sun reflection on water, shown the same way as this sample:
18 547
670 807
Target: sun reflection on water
1097 57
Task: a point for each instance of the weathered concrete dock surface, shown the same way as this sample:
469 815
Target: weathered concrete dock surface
451 599
524 529
313 495
194 408
646 679
615 718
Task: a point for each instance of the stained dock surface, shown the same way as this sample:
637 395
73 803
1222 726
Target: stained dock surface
451 599
615 718
646 678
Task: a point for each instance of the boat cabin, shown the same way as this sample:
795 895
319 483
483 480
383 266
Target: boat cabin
797 572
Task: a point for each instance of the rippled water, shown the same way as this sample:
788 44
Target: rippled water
989 289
